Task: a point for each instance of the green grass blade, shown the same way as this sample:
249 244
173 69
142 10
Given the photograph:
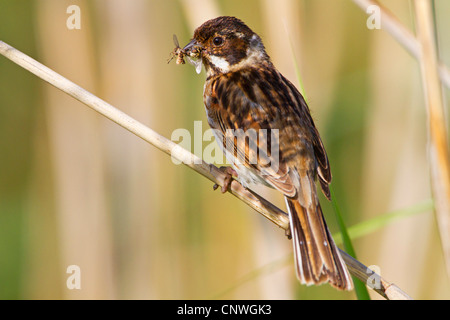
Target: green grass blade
360 287
378 222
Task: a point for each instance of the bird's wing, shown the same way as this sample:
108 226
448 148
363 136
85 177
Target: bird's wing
264 109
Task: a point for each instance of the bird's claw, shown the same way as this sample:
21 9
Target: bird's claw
229 173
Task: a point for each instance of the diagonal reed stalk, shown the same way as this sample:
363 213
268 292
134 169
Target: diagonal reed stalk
402 35
261 205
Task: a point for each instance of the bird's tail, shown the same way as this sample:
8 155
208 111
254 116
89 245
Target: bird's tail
317 258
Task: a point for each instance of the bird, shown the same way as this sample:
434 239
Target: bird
245 93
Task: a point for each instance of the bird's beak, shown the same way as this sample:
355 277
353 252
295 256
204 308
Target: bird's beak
193 48
193 51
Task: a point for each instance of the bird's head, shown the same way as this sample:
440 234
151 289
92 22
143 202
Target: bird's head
226 44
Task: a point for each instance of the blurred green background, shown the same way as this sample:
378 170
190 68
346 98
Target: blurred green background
76 189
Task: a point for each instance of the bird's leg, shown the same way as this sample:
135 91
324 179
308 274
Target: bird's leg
229 172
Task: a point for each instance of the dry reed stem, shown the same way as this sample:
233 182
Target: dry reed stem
373 280
438 143
261 205
403 36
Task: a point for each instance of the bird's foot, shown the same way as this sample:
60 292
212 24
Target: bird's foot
229 172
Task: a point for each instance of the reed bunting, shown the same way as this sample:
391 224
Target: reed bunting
244 92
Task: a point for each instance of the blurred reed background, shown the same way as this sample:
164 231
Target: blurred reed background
76 189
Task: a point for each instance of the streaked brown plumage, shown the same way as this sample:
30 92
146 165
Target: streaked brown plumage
244 91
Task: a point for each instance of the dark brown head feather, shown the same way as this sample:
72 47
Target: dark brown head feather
226 26
239 41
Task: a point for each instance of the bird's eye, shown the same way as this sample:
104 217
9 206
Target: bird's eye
217 41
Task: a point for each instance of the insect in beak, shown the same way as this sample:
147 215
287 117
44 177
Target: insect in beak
177 52
193 53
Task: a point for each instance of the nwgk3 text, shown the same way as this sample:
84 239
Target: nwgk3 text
246 309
